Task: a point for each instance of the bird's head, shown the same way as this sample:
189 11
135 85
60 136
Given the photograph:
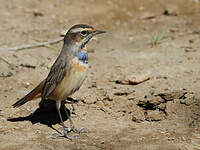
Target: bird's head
80 34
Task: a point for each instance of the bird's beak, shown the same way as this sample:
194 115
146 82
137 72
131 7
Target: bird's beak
99 32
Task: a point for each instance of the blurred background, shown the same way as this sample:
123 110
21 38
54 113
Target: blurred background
46 18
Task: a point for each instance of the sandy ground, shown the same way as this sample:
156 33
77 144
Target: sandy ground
160 113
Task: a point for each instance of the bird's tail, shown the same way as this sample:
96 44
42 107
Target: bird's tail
35 93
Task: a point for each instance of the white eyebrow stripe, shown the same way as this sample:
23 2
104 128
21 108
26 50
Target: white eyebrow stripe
77 30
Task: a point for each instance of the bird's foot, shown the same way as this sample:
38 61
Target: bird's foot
57 135
70 137
72 128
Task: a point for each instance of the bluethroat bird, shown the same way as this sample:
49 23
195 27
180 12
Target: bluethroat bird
67 73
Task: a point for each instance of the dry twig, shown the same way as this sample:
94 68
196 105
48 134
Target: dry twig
1 58
33 45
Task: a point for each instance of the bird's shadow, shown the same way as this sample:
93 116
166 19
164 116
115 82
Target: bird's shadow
47 115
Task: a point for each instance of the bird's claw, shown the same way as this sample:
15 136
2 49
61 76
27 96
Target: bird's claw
72 128
70 137
75 130
56 135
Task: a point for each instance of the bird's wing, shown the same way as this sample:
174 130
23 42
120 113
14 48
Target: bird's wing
56 75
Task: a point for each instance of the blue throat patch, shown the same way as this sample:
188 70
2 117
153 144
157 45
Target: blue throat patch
83 56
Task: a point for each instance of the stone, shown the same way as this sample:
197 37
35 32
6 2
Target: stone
155 115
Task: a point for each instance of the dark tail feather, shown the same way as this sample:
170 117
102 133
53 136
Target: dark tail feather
30 96
20 102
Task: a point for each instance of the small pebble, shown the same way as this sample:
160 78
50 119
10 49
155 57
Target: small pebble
38 131
27 84
6 74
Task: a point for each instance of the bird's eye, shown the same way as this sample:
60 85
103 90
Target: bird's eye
83 33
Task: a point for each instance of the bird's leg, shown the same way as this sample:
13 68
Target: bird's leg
73 109
72 127
58 103
71 101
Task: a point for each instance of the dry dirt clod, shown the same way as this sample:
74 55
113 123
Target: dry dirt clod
89 100
134 79
156 104
109 97
154 115
123 92
138 116
162 107
188 100
150 102
170 96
